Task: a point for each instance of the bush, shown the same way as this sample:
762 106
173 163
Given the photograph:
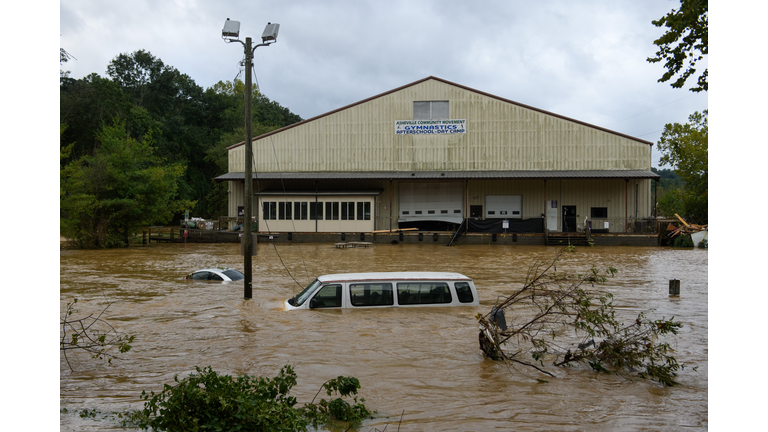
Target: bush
683 241
209 401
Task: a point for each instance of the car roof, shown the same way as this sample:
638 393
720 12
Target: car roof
377 276
215 269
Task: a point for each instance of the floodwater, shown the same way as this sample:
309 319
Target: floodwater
421 369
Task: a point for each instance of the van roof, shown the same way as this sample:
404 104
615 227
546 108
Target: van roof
345 277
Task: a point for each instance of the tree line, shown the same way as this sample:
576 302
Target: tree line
685 147
144 143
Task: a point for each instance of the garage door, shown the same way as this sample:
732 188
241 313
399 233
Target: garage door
504 206
431 202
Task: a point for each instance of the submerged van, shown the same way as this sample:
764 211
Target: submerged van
391 289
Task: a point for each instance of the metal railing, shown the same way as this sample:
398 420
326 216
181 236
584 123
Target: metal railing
620 225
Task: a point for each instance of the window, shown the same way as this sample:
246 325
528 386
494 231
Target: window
297 210
288 213
327 297
430 110
423 293
598 212
303 211
371 294
234 275
347 211
335 208
464 292
200 276
328 210
269 210
351 211
360 211
281 210
315 211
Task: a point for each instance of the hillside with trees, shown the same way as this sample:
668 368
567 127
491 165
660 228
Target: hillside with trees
183 129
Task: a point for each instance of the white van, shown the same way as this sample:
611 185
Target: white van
392 289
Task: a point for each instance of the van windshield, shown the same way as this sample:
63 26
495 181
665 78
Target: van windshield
304 295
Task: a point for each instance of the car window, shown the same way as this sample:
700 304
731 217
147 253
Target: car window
215 277
423 293
201 275
328 296
464 292
234 274
371 294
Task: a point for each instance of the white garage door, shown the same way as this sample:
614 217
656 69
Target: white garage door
431 202
504 206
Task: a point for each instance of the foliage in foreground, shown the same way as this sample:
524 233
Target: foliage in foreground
209 401
685 42
92 334
554 317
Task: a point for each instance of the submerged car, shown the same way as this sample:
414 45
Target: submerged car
387 289
216 274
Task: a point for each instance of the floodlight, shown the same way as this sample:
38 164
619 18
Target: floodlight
231 29
270 32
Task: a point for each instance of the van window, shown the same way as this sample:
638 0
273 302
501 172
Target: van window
423 293
328 296
371 294
464 292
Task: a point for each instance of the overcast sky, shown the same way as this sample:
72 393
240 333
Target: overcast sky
581 59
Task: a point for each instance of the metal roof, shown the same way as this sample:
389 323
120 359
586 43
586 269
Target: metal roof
452 175
449 83
275 192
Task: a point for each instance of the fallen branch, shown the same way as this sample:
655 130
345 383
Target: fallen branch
555 317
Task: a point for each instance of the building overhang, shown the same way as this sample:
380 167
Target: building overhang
449 175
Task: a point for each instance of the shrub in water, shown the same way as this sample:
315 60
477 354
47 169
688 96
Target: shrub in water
209 401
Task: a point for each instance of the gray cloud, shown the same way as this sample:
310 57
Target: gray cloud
581 59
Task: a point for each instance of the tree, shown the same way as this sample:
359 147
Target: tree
684 147
684 44
86 106
555 317
107 197
92 334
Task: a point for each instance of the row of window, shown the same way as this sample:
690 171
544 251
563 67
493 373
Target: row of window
418 212
310 210
381 294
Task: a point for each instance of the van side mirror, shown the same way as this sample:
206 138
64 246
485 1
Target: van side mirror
313 303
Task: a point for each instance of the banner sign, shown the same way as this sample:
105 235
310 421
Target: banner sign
430 127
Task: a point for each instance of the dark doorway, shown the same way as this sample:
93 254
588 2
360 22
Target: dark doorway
569 219
475 211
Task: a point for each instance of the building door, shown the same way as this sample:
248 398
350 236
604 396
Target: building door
569 219
476 211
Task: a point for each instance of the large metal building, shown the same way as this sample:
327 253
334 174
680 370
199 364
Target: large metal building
433 154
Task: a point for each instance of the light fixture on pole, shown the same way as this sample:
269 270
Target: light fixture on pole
230 33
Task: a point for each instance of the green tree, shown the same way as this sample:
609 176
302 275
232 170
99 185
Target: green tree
86 106
108 196
684 43
684 147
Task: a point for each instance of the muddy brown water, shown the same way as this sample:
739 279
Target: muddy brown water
421 369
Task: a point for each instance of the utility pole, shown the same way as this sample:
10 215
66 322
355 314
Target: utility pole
230 33
248 236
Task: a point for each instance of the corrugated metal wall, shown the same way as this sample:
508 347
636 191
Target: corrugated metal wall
501 136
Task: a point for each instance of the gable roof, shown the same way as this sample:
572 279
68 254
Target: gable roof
449 83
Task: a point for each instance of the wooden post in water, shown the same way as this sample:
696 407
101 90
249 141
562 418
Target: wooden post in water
143 237
674 287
